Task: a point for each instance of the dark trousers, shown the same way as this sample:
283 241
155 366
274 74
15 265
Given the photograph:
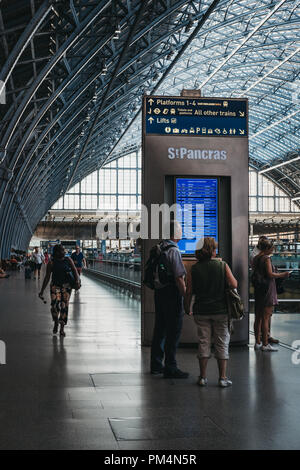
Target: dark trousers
167 329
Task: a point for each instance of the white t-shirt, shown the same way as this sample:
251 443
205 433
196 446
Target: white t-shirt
38 258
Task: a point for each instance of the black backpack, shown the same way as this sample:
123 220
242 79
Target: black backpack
157 273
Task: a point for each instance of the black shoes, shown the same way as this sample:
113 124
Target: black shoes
175 374
157 371
170 373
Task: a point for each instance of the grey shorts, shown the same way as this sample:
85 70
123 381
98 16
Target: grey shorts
213 329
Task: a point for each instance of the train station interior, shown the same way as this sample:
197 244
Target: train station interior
107 109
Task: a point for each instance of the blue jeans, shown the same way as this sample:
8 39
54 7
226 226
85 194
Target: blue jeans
167 329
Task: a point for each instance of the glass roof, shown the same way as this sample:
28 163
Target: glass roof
75 72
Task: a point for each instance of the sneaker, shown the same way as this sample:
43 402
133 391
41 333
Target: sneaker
269 348
202 382
223 383
175 374
257 346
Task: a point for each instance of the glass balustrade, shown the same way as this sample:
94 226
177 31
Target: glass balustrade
128 267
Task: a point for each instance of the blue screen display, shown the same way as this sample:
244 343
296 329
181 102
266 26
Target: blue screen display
197 200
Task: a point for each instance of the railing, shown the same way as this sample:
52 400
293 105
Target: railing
289 300
127 271
124 274
127 274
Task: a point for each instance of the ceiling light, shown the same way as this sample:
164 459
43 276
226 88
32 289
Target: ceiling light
170 54
117 32
104 69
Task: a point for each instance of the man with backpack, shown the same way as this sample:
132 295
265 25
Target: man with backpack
165 274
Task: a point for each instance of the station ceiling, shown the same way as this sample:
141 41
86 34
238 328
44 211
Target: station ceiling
75 71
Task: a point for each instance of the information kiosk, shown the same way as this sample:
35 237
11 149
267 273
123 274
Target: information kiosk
195 154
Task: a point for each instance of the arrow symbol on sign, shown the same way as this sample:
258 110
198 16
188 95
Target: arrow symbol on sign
242 114
151 101
151 119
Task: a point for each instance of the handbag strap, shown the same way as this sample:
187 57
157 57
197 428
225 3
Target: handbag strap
224 275
226 294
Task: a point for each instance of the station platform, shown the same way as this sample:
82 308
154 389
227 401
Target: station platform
93 390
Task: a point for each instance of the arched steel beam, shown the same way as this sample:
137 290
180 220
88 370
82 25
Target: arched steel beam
24 180
57 93
23 42
72 39
62 112
149 27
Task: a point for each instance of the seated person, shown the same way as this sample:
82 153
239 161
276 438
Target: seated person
3 274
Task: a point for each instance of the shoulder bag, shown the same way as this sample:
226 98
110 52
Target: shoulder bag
71 278
234 302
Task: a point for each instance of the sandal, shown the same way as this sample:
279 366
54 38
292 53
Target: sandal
55 329
62 331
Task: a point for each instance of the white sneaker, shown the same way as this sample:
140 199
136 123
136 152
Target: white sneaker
223 383
269 348
257 346
202 382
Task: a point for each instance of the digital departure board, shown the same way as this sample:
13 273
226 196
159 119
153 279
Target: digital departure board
197 200
202 117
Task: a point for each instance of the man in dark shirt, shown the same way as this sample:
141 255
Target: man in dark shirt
169 311
79 259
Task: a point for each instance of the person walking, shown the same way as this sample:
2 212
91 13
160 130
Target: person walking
38 259
265 294
3 274
210 277
79 259
46 255
169 310
63 274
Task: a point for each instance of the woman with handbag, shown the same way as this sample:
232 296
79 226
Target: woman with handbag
265 294
64 279
209 308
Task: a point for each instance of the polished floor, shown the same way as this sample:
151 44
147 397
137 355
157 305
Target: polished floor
92 390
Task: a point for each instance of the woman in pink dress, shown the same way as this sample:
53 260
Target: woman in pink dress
265 293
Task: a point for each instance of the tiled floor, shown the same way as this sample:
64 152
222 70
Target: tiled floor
92 390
